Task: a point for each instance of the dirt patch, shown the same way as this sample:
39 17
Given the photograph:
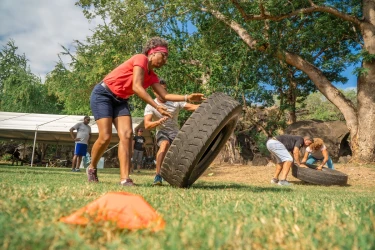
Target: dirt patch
260 175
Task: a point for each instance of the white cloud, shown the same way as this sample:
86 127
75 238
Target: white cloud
40 27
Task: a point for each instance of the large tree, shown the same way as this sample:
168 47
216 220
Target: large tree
349 25
309 39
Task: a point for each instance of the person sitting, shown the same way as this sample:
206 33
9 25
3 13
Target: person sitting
317 151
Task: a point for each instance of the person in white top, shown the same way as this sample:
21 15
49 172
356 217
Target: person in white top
317 151
166 128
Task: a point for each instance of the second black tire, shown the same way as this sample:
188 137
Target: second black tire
325 177
200 140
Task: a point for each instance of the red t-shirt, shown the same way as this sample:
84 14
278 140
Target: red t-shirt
120 80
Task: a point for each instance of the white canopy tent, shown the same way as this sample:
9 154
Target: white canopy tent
50 128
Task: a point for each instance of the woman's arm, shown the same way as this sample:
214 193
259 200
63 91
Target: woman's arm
325 159
195 97
138 78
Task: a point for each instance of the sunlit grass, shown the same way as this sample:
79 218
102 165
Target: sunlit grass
210 215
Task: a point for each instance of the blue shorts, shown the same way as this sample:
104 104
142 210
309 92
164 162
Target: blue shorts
105 104
80 149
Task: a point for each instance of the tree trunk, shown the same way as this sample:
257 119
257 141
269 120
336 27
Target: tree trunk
360 122
292 99
364 143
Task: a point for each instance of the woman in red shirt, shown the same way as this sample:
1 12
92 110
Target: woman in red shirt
109 103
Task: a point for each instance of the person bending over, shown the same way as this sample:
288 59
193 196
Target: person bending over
317 151
109 103
279 147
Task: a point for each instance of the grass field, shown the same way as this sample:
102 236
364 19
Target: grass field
220 211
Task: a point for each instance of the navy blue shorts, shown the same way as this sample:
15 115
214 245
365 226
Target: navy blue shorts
80 149
105 104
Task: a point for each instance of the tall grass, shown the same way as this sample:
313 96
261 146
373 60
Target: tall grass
209 215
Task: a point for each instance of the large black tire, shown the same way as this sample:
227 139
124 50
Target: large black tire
325 177
200 140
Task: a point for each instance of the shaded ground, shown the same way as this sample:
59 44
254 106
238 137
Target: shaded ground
260 175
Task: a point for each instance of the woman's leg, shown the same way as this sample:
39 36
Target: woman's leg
311 160
101 144
330 163
123 126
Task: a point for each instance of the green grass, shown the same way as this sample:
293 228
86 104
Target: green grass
210 215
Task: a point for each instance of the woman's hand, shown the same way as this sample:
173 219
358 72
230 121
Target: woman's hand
196 97
319 168
163 111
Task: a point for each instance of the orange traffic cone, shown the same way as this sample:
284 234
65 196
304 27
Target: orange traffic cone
125 209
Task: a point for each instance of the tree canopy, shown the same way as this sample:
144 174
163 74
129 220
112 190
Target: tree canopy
20 89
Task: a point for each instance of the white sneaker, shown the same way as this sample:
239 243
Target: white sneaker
284 183
274 181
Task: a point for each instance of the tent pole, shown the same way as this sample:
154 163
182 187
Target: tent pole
32 156
110 148
24 152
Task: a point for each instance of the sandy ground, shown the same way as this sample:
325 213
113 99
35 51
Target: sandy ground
256 175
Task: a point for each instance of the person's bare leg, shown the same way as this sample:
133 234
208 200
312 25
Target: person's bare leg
286 168
79 159
163 149
74 162
123 126
279 167
101 144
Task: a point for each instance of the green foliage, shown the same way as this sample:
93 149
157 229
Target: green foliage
6 157
316 106
261 141
21 90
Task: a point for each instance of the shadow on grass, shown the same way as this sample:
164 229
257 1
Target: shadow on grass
18 169
43 172
304 183
255 189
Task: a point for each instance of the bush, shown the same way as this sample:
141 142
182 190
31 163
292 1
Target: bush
6 157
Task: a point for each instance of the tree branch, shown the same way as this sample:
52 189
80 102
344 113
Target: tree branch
316 75
308 10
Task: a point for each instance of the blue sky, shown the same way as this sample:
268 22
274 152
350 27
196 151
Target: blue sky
352 79
40 27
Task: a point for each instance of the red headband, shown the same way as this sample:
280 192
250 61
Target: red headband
158 49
